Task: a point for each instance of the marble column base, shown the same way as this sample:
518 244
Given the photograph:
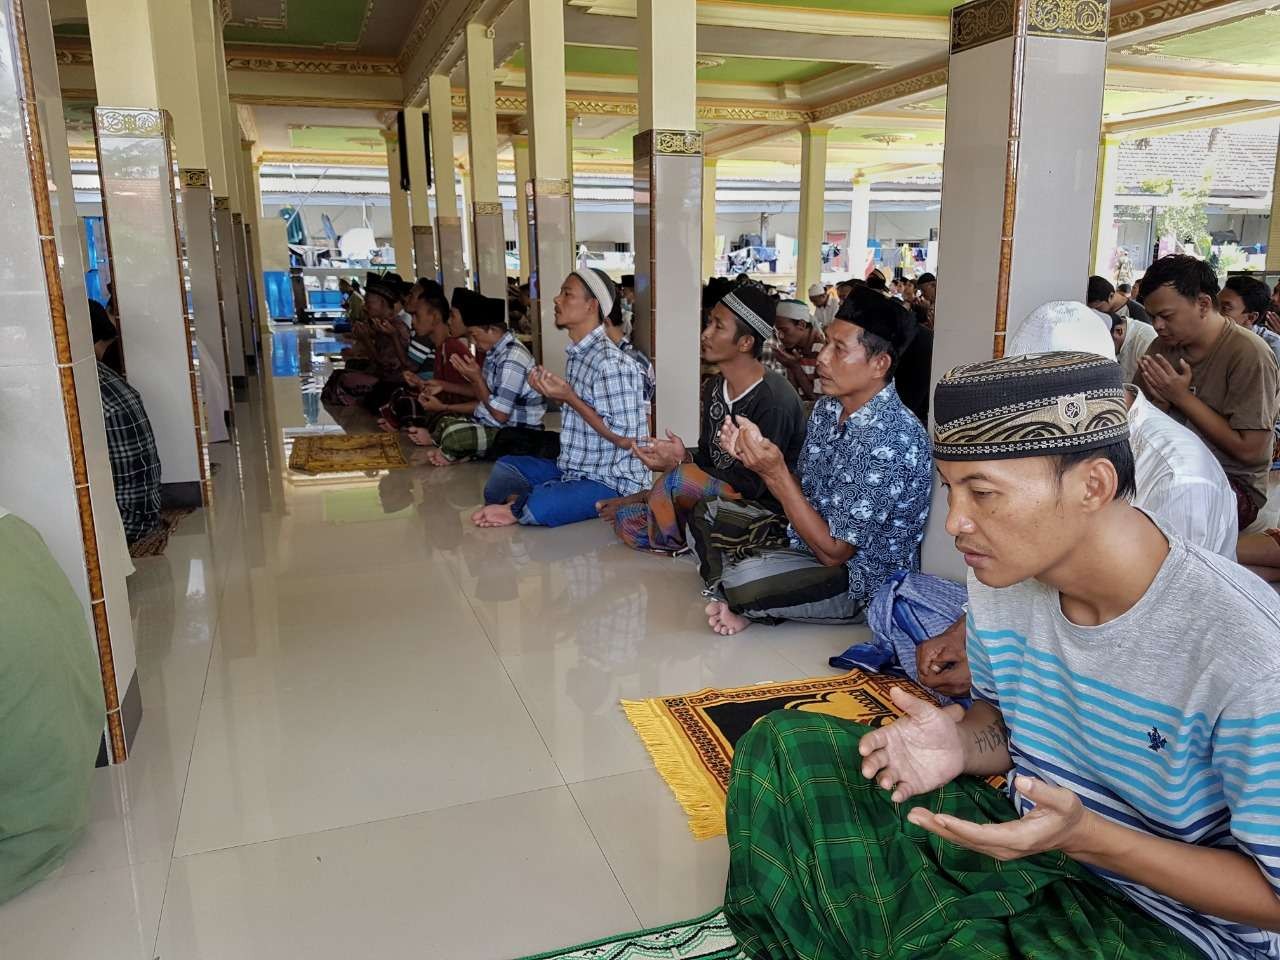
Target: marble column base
490 252
449 253
424 251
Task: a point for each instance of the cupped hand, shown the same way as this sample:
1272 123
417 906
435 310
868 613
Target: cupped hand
550 385
916 753
661 454
466 365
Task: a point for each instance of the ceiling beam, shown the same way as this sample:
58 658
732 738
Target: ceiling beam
1146 21
1180 121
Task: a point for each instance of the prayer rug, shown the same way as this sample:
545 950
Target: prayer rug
691 737
155 542
346 453
706 938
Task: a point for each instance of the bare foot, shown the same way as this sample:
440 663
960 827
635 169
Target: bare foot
723 620
607 510
494 515
437 458
384 426
421 436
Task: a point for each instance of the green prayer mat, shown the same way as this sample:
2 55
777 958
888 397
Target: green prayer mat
706 938
823 865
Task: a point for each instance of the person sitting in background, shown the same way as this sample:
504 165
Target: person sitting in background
798 343
824 305
498 397
1178 479
380 353
857 512
1131 824
1211 374
877 282
618 327
352 301
733 340
915 364
1246 301
51 705
131 445
1104 298
604 414
1132 339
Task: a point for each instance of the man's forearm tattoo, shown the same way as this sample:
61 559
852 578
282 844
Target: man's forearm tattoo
994 736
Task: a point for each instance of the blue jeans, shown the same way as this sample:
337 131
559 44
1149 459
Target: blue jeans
542 497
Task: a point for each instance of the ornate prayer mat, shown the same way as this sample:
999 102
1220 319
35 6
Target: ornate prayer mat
691 737
346 453
155 542
707 938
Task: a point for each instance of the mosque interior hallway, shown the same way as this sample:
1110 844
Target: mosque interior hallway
372 730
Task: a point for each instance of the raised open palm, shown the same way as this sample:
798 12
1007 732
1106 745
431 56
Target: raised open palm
916 753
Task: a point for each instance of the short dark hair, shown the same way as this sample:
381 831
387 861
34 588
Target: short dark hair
876 281
1189 276
925 278
1100 288
875 345
1119 453
744 329
1254 293
1124 287
104 329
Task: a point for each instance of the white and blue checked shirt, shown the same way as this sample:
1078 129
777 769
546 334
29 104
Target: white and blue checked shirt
506 371
612 385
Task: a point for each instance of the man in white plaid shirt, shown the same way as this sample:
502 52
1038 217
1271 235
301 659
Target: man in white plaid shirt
604 414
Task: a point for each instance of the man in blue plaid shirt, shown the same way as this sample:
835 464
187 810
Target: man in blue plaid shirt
131 446
503 398
604 414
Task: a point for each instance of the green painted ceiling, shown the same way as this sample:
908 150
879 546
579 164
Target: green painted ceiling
1254 40
308 23
614 61
929 8
861 136
1119 103
360 139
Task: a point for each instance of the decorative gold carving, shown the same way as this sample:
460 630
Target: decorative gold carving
258 63
679 143
419 230
236 218
449 221
68 55
458 101
324 159
193 177
460 125
125 122
920 83
981 22
1068 19
418 32
224 11
1161 11
222 203
548 187
487 208
705 62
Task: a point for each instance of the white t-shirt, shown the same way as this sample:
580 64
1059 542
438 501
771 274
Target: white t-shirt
1180 481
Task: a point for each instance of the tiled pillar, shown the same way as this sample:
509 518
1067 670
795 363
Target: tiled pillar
1273 233
1104 220
1024 110
551 217
137 170
424 243
468 231
859 228
240 238
203 256
488 243
708 216
253 232
449 252
813 194
230 291
401 232
520 147
668 189
573 199
56 473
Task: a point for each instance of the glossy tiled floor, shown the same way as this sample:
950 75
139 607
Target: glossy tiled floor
373 731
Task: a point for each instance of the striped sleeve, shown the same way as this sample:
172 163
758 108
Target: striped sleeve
1245 749
984 682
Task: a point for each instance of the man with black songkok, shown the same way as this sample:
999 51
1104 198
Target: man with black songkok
1124 685
857 510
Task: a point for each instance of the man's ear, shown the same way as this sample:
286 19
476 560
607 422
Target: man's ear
1098 483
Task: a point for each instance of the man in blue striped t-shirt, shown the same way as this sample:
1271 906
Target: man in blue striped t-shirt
1126 682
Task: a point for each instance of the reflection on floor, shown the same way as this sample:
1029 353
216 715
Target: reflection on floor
373 731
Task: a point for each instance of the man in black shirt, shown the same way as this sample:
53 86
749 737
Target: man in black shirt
733 339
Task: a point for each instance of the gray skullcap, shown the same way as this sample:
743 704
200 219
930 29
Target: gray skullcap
796 310
753 307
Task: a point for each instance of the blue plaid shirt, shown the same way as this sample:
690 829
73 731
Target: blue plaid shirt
506 371
870 478
131 449
611 384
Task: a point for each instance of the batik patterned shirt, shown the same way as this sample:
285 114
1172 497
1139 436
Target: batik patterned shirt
870 477
611 384
131 448
506 371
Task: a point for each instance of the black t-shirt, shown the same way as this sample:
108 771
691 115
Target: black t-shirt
772 405
913 373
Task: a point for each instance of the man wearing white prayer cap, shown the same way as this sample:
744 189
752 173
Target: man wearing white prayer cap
1180 481
824 305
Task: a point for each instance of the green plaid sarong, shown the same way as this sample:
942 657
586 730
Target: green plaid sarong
823 866
462 438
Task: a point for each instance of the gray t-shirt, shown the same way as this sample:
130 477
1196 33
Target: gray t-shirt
1165 720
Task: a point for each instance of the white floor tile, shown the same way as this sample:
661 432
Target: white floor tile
485 881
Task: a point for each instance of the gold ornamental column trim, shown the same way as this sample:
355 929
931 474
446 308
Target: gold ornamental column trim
487 208
677 143
551 187
222 203
981 22
129 122
194 177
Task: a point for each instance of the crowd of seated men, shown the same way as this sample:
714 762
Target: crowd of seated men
1112 653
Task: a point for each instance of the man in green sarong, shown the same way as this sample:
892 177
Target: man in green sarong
1124 680
51 710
